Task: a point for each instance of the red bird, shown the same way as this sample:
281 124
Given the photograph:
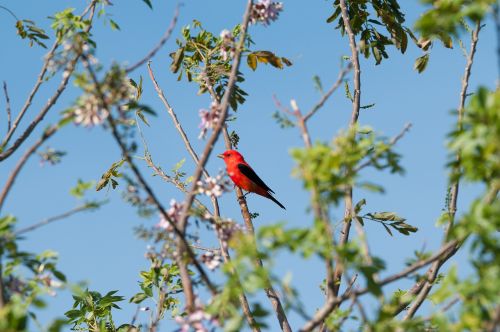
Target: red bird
245 177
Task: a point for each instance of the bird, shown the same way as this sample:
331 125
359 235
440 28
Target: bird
245 177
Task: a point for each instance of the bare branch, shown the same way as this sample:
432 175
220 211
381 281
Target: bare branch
185 277
80 208
393 142
163 40
445 251
354 118
7 105
245 213
52 100
333 88
22 161
434 269
189 148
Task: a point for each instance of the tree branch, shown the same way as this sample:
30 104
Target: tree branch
327 95
185 277
354 118
61 216
225 254
332 302
434 269
22 161
7 105
52 100
163 40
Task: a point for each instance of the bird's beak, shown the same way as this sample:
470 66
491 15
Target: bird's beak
220 156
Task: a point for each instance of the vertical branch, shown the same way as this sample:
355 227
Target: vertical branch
423 288
245 213
225 254
354 118
7 105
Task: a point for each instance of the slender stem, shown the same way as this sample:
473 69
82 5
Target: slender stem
332 89
446 250
434 269
52 100
225 254
163 40
7 106
184 245
354 118
83 207
318 210
245 213
22 161
3 298
223 113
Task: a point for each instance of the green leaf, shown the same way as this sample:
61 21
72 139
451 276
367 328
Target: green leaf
138 298
114 25
421 63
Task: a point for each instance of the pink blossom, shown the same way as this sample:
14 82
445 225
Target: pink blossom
211 259
265 11
209 118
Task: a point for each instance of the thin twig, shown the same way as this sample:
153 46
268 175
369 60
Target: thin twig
185 277
245 213
332 302
189 148
7 105
333 88
392 142
215 134
318 209
52 100
434 269
160 44
354 118
80 208
22 161
445 308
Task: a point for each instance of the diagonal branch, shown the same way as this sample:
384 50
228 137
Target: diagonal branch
225 254
163 40
446 250
245 213
327 95
80 208
52 100
185 277
22 161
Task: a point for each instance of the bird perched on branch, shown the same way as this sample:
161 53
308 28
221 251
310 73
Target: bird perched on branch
245 177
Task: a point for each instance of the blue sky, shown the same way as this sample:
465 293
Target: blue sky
101 248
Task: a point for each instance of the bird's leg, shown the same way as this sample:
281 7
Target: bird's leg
244 196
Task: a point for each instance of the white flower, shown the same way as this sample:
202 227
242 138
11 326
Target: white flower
174 213
213 186
88 113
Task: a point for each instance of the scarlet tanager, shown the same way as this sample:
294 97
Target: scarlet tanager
244 176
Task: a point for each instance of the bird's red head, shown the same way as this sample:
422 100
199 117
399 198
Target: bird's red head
231 156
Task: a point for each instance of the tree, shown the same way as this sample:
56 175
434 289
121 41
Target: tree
193 236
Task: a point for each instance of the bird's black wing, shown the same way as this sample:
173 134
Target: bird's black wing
250 173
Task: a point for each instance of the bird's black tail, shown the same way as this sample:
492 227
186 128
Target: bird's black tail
275 201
